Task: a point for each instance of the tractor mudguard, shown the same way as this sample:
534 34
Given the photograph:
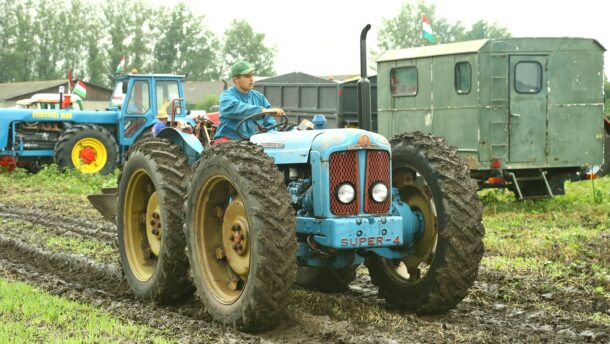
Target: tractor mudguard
189 144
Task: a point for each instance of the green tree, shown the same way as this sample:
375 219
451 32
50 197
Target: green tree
117 25
95 56
184 44
405 30
484 29
242 43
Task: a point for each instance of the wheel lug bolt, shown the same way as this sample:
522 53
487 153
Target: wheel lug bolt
240 247
235 246
231 238
153 222
242 237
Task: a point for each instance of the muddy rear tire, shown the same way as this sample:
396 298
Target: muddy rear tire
88 149
325 280
150 219
430 173
241 241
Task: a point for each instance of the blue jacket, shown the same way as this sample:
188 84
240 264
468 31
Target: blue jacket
158 127
235 106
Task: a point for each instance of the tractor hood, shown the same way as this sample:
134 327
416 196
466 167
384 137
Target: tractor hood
293 147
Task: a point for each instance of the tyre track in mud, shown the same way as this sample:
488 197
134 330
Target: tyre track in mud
82 278
103 232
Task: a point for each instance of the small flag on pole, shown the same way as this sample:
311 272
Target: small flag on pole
80 89
70 80
427 29
121 67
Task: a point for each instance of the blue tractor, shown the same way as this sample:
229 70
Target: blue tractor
88 141
243 221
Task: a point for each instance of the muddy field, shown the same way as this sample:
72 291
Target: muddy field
58 242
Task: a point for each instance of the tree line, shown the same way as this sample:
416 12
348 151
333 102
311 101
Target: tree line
43 39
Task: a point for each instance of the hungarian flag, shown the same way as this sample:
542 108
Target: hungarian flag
80 89
427 29
121 67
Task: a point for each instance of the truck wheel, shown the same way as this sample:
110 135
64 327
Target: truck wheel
150 219
325 279
88 149
240 231
432 178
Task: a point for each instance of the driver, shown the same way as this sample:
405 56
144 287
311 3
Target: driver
241 101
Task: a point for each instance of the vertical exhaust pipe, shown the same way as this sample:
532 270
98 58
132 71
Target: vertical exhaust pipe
364 86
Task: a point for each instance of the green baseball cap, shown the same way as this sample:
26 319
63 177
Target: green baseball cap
241 68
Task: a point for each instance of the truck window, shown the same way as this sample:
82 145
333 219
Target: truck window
139 99
167 90
403 81
528 77
463 77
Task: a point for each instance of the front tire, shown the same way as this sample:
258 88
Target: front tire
150 220
88 149
241 241
433 179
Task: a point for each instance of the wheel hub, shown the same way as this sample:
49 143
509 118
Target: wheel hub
235 237
154 226
88 155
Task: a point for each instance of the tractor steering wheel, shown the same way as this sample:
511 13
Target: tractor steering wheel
261 128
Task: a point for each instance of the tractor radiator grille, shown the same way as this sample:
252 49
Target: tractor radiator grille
377 170
344 168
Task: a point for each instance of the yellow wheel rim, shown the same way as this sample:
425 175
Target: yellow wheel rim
89 155
414 190
141 218
222 237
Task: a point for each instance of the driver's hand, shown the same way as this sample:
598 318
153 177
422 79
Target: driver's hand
275 112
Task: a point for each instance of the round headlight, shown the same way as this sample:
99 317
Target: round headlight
346 193
379 192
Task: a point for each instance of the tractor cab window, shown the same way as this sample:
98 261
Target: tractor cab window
166 90
117 95
139 99
463 77
403 81
528 77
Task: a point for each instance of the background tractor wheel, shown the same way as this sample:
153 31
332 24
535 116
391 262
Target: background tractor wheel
433 179
88 149
150 219
241 239
324 279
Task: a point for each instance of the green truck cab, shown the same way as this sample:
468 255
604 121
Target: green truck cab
526 113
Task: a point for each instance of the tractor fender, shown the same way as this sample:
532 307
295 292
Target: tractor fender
189 143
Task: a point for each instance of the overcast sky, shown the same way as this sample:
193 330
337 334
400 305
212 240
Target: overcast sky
321 37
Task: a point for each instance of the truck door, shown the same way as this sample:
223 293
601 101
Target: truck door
527 109
136 111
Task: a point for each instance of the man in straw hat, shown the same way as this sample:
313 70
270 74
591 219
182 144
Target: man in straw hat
161 119
241 101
